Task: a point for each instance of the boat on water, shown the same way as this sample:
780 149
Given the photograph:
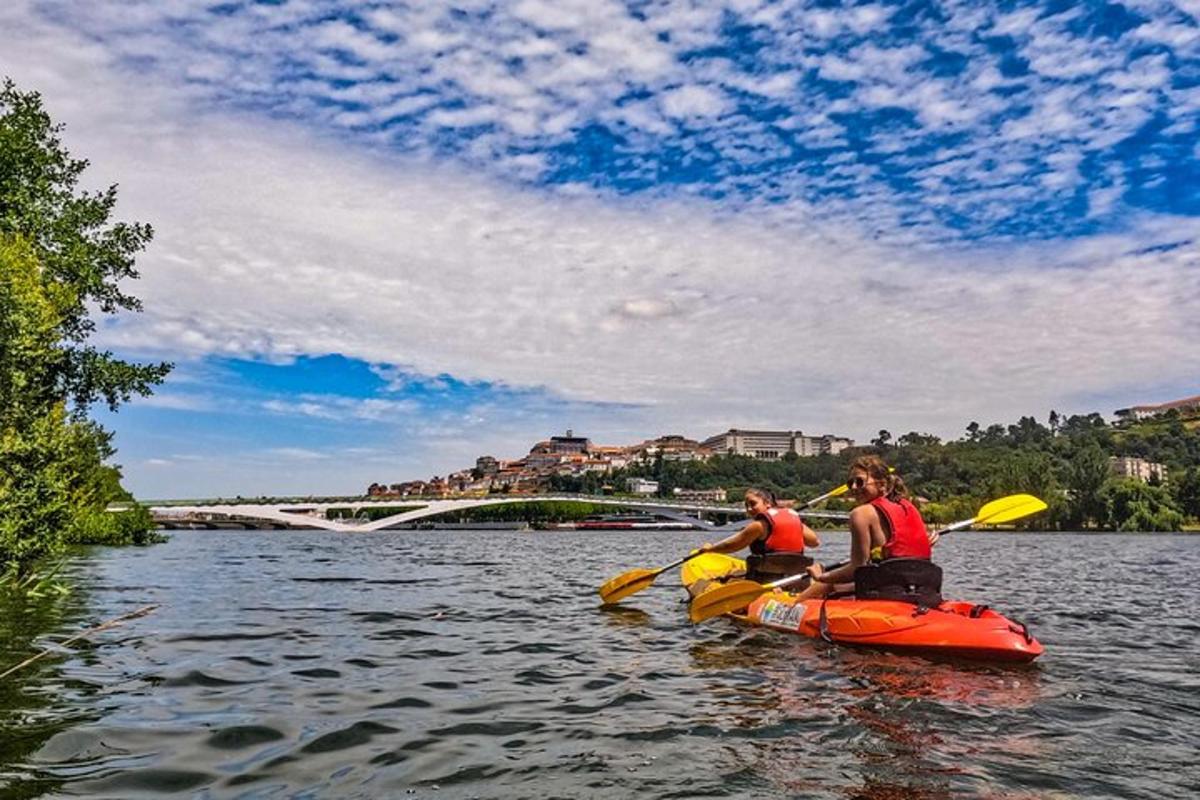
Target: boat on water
953 628
617 522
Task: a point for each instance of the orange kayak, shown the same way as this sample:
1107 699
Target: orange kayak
956 629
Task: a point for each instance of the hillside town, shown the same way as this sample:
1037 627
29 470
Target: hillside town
574 456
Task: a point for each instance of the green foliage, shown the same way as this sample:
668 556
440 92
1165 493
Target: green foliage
540 510
96 526
60 260
35 491
1135 506
1086 474
82 256
1187 492
368 513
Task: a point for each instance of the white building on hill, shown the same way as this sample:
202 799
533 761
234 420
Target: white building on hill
774 445
1139 468
1145 412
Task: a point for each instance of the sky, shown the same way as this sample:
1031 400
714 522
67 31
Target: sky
391 237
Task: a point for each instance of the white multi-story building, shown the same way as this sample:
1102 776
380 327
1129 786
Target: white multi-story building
641 486
1139 468
768 445
774 445
820 445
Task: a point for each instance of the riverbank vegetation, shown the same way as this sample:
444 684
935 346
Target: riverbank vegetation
62 261
1066 461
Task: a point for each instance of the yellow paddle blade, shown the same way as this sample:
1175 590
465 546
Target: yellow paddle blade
732 596
1010 508
626 584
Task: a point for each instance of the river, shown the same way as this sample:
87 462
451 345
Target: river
459 664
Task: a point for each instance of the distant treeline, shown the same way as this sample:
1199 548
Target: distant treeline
1065 462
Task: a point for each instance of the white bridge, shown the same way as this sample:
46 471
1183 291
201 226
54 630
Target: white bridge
315 515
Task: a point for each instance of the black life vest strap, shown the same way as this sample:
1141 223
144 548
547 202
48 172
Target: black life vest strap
774 566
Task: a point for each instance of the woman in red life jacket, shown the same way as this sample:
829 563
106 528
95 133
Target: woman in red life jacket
776 537
885 525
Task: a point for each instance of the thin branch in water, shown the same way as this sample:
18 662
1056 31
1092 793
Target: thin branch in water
103 626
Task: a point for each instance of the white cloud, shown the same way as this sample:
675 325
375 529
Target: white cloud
179 402
535 72
693 101
275 242
297 454
290 246
333 407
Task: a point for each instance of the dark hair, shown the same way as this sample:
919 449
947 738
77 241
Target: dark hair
894 488
765 494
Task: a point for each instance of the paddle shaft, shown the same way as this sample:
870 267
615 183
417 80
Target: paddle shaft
797 578
680 562
831 493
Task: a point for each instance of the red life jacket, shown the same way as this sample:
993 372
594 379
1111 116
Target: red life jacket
907 537
786 532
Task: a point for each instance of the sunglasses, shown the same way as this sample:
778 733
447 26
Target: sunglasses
856 483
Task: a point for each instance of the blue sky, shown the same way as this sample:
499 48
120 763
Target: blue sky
394 236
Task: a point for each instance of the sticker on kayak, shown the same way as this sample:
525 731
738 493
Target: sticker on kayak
782 615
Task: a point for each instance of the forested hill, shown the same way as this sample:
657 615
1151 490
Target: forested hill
1065 461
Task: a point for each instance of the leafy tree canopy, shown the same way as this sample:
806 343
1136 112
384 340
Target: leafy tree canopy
82 256
60 258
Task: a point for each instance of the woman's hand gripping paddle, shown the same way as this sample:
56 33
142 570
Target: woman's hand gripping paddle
736 595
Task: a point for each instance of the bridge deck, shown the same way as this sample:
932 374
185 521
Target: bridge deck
313 515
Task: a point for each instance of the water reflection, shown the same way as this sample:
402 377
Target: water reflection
623 616
385 665
35 700
882 725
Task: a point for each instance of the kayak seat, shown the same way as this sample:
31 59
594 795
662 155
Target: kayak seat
909 580
776 566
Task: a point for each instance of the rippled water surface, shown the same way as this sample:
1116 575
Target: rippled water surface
466 664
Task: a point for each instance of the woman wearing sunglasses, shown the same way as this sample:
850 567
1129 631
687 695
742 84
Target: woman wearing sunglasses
886 530
776 537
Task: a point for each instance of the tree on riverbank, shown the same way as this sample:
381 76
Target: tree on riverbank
61 259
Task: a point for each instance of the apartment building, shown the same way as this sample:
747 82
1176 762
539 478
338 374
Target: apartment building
821 445
1138 468
641 486
774 445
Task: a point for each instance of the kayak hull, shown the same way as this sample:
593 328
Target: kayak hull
954 629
